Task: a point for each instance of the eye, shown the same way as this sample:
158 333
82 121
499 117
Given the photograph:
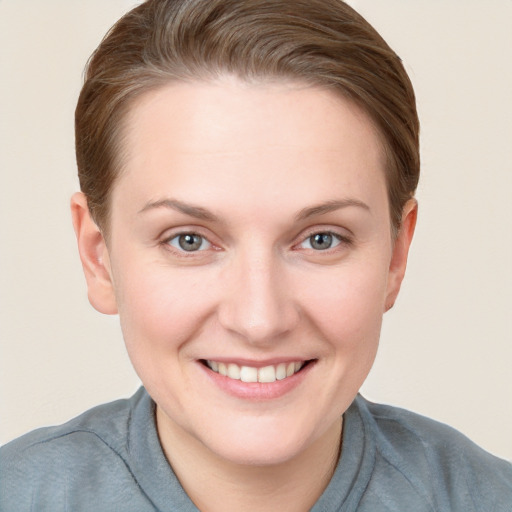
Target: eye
321 241
189 242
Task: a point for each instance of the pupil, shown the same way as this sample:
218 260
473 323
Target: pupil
321 241
190 242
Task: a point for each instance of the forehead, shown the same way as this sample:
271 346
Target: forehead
230 134
247 112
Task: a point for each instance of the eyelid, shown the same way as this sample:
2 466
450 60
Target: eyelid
170 234
343 238
336 241
204 241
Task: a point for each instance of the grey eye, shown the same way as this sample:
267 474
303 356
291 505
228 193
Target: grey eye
189 242
321 241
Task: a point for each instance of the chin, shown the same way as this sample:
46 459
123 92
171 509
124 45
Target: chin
259 452
261 442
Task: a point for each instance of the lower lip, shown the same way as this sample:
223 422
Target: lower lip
257 391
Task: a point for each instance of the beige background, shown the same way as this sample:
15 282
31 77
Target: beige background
446 348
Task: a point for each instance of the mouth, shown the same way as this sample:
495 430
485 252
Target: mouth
265 374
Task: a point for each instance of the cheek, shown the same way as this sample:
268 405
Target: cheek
160 308
348 308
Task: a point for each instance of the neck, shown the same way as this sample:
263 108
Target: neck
215 484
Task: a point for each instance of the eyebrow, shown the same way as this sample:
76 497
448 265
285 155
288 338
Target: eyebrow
330 206
203 214
188 209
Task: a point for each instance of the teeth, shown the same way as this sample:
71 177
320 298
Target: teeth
266 374
281 371
248 374
233 371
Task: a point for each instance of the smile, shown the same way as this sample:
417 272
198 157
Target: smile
265 374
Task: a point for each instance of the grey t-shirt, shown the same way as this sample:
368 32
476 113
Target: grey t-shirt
109 459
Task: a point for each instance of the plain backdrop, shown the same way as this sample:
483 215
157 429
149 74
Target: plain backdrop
446 347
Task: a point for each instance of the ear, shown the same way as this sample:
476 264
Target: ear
94 256
401 246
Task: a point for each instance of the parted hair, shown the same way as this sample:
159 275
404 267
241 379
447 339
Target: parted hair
317 42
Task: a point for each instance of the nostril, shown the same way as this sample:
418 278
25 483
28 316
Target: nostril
258 322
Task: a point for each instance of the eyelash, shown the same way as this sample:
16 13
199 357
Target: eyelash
336 238
177 248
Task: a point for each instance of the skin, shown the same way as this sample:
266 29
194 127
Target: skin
264 167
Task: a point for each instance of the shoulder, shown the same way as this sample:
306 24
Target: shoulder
45 465
104 424
438 460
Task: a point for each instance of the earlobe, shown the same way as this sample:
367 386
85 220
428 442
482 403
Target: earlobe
400 253
94 256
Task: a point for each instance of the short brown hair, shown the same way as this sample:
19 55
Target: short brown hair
319 42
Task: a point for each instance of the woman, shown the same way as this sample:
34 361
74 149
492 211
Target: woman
248 172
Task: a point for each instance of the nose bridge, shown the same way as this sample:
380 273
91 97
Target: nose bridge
257 304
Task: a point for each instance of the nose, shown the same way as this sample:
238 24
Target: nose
257 303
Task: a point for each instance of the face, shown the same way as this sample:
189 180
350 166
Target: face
250 260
